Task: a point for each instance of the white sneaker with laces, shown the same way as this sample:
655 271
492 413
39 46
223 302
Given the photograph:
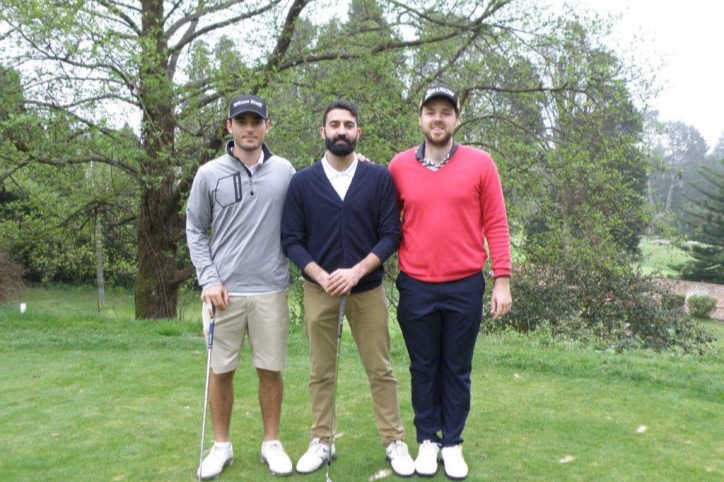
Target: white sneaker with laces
219 457
455 466
399 457
315 456
273 454
426 461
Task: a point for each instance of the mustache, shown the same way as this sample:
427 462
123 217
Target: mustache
340 137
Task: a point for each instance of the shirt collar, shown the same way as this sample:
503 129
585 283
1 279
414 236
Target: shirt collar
420 153
265 152
333 173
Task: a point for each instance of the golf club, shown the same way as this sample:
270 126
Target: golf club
209 346
340 317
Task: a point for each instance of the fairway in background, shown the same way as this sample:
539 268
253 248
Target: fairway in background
660 257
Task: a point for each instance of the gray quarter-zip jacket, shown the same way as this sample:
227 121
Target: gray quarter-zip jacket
243 212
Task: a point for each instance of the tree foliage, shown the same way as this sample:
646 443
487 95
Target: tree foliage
140 89
172 66
706 214
681 150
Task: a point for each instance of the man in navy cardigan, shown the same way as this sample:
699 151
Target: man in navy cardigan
340 223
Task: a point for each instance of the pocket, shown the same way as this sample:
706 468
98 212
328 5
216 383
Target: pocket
228 190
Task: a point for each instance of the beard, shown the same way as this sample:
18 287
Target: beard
439 142
341 149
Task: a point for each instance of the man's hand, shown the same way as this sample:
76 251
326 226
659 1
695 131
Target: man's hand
362 158
314 271
215 295
501 301
342 281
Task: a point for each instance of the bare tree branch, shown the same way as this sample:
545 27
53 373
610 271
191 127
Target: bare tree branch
119 13
9 172
285 37
193 34
90 158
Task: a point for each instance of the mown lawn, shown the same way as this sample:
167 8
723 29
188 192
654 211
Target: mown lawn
98 396
661 258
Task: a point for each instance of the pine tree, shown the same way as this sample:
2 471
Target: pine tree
706 214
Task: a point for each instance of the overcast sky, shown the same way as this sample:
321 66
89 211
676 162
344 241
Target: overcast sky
689 38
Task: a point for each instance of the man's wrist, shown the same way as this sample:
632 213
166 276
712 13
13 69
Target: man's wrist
359 271
502 280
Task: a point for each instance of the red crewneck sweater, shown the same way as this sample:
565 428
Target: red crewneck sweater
447 215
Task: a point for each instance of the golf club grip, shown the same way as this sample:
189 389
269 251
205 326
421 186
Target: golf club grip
342 303
212 323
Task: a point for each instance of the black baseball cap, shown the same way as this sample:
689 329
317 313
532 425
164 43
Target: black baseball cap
247 103
441 91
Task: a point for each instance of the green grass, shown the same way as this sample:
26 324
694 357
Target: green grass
660 259
97 396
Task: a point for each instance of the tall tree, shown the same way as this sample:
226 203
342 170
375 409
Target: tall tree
718 151
588 165
682 150
103 60
706 214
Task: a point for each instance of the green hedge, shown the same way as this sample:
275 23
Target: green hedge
701 306
672 301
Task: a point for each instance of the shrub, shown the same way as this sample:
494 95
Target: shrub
593 296
672 301
701 306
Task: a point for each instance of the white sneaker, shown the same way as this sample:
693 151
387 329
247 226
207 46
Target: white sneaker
399 457
273 454
455 466
219 457
316 455
426 461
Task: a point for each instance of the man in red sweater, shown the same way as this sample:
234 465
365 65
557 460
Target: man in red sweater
451 203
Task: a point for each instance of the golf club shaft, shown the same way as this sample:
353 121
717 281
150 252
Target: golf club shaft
209 348
340 319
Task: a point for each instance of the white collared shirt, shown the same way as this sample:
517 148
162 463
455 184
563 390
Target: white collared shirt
340 180
252 169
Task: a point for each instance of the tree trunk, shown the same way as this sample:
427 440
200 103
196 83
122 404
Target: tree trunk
670 195
157 283
159 219
100 278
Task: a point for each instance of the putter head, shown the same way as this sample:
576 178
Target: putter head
328 479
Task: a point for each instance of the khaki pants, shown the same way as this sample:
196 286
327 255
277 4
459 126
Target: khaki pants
366 313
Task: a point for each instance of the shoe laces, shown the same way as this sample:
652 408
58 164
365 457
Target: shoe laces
454 451
220 448
428 446
318 448
218 451
397 449
273 448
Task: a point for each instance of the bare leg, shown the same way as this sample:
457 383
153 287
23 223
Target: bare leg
221 397
270 400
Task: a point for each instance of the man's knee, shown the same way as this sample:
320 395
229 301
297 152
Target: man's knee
268 376
223 378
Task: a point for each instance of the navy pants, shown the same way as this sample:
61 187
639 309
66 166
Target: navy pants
440 324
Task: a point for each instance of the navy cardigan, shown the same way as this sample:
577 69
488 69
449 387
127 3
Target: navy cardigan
318 226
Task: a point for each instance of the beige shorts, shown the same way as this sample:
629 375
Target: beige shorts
265 318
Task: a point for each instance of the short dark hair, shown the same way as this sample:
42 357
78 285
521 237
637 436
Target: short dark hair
341 104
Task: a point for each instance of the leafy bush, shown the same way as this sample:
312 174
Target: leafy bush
672 301
701 306
591 295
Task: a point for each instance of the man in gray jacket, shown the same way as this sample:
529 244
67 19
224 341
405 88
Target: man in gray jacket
243 273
